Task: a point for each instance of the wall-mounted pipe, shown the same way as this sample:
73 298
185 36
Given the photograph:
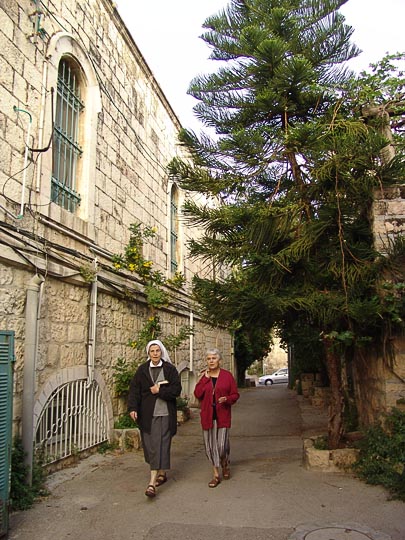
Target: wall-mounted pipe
91 344
41 124
27 145
32 312
191 342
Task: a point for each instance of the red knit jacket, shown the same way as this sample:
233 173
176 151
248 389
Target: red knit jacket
225 386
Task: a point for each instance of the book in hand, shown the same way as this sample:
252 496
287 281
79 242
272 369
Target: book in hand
162 382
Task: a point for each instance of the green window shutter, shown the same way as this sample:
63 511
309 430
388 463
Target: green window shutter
6 418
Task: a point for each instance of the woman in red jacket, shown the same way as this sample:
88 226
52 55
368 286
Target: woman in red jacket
216 391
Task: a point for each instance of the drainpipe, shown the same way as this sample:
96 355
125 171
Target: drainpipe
41 125
27 145
32 311
91 345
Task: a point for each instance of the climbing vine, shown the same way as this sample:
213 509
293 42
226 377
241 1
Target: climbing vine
157 294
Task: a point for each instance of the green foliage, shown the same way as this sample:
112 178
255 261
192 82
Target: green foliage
382 455
299 154
393 300
321 443
177 281
23 495
250 345
124 421
123 371
306 349
88 273
133 260
151 330
158 295
106 447
173 341
182 403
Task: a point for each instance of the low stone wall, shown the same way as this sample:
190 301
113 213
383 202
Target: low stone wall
313 389
128 439
339 460
183 416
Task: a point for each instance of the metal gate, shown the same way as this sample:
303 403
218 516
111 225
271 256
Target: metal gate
6 418
73 419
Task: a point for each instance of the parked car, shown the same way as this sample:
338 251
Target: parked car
279 376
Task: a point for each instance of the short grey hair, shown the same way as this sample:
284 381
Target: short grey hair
217 352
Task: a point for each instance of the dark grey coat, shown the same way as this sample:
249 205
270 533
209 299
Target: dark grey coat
141 399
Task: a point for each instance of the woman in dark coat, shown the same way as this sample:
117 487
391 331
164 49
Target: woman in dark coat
152 404
216 391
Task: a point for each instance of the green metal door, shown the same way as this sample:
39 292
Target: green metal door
6 417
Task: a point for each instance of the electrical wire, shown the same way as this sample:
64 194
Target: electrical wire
45 248
141 146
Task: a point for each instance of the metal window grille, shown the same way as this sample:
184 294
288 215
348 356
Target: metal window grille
66 148
173 232
73 419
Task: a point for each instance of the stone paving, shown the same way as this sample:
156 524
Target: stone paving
270 496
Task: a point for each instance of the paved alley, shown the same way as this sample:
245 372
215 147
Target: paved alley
270 496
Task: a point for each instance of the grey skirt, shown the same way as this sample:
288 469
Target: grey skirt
157 443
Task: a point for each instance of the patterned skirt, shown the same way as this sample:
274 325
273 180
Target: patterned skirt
216 441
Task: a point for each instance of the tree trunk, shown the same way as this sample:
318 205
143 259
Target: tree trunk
335 425
381 112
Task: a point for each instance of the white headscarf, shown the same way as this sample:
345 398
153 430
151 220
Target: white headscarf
165 355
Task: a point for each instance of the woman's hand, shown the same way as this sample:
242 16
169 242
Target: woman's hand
133 415
154 389
222 399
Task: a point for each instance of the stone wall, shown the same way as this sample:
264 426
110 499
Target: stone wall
379 381
380 384
389 215
63 332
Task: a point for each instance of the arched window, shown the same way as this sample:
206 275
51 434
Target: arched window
174 230
69 171
67 149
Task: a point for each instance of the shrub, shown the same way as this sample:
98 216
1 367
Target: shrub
382 455
182 403
22 495
107 446
123 372
125 422
321 442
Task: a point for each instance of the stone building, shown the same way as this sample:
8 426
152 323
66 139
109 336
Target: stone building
86 135
379 376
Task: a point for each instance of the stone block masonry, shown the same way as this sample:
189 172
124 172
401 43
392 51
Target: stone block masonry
127 134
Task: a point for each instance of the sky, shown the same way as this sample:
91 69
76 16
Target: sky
167 34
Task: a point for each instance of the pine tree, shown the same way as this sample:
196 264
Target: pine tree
295 166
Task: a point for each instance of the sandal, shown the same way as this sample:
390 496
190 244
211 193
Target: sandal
161 479
150 491
214 482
